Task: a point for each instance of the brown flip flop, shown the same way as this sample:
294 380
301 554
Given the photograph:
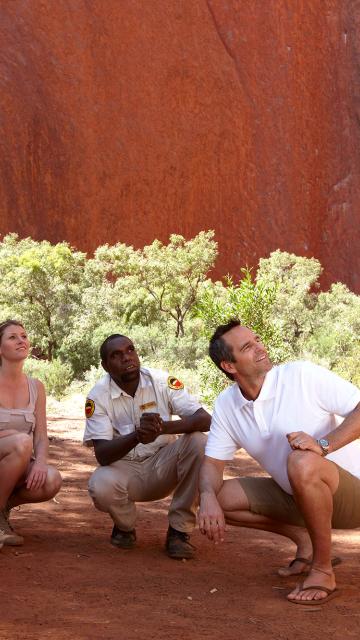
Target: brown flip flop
305 561
331 593
334 562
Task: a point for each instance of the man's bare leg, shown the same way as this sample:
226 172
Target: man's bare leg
314 481
234 502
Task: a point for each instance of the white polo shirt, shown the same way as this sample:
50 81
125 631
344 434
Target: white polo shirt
297 396
115 413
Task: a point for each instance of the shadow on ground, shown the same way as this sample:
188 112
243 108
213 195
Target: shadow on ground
68 582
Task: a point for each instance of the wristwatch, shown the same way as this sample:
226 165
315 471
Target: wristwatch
324 444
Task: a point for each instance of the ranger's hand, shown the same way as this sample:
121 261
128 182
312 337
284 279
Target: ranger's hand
150 427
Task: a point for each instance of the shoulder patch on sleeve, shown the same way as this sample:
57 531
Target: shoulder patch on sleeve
89 408
174 383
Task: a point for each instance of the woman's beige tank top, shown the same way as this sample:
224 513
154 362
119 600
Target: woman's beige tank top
21 419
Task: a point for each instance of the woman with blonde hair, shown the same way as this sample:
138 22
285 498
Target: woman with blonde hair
25 475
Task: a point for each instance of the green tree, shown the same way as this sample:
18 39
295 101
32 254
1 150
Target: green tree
41 284
160 281
250 301
296 281
172 274
92 322
335 339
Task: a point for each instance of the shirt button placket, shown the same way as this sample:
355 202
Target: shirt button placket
260 420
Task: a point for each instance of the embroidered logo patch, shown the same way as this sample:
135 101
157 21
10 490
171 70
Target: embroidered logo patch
89 407
174 383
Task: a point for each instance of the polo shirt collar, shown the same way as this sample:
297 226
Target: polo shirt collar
267 390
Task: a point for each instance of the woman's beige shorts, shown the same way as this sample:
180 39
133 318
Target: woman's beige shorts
267 498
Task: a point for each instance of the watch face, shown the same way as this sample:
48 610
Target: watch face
323 442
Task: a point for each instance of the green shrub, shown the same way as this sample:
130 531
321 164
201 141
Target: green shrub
81 347
158 343
161 298
87 382
295 281
212 381
55 375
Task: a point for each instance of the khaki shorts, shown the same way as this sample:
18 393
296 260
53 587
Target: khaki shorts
267 498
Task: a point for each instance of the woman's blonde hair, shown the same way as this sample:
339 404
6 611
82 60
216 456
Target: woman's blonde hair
7 323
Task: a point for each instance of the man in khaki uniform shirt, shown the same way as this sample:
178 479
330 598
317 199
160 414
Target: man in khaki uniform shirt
141 458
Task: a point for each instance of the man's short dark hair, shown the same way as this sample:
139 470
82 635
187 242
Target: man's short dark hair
219 350
104 346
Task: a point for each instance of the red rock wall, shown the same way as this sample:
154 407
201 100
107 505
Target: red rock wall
126 120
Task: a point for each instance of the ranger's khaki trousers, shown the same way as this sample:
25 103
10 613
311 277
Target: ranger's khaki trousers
174 468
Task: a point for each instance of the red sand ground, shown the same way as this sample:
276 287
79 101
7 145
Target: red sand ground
68 582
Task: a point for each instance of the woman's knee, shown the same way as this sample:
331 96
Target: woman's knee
53 482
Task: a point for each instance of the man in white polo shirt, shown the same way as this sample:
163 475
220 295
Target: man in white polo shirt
288 419
128 421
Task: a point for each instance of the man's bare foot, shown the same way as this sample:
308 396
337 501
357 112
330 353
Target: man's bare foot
303 556
311 589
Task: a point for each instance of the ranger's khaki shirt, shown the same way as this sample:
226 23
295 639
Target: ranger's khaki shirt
114 412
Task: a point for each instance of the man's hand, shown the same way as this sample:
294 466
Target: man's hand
211 517
151 425
299 440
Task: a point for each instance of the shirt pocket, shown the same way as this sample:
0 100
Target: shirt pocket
29 419
22 421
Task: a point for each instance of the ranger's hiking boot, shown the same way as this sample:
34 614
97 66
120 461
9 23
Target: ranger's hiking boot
178 546
7 534
123 539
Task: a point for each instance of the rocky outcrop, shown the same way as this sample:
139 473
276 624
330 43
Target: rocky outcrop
126 121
